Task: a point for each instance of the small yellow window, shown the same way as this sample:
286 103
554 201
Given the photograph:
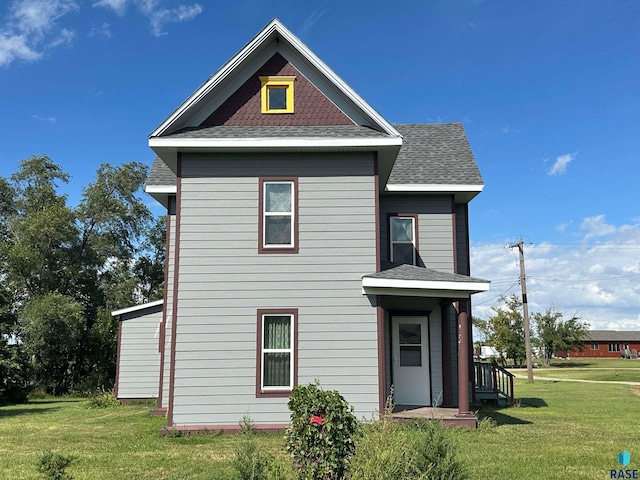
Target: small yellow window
277 94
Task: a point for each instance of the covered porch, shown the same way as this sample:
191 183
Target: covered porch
424 341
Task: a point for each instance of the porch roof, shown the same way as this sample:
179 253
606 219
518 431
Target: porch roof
412 281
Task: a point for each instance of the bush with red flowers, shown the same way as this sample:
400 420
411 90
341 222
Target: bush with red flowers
321 435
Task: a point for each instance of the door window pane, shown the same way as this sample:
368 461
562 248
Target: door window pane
410 356
409 333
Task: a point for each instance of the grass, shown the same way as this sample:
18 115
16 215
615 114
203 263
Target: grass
112 443
559 430
598 369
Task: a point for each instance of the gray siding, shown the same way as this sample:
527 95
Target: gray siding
166 367
139 359
435 227
435 352
224 281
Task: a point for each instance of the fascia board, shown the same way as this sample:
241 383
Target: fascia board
434 188
167 189
247 51
467 287
136 308
333 77
213 143
216 78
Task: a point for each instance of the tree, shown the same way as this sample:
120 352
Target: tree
506 329
52 327
65 268
556 334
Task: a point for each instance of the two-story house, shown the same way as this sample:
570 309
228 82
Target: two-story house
308 238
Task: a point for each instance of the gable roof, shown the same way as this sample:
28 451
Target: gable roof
613 336
435 158
274 38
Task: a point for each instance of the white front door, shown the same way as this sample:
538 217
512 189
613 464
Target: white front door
410 350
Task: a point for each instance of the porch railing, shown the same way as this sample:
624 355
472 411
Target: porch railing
493 382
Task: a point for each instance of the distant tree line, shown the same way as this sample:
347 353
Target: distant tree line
504 330
63 269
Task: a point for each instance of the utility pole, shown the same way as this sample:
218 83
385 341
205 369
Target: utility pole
525 309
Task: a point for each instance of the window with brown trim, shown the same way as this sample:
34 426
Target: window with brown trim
403 238
277 352
278 216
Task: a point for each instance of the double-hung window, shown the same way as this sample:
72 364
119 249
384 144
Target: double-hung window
276 356
278 229
403 236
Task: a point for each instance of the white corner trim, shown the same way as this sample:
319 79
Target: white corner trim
368 282
273 142
433 187
136 308
168 189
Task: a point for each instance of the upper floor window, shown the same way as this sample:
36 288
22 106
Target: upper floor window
278 215
403 239
277 94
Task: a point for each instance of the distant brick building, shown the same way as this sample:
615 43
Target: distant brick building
606 343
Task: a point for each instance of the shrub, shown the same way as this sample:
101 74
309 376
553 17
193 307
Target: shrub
251 463
389 450
321 434
103 399
53 466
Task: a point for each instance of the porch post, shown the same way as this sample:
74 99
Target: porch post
463 363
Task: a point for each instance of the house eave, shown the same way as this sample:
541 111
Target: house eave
421 288
462 193
136 308
212 144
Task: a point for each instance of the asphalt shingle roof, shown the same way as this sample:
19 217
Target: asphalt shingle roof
395 271
270 131
430 153
613 336
436 153
160 174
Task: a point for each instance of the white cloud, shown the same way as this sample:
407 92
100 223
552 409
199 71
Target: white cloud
596 227
158 16
311 20
13 46
31 28
103 30
118 6
598 281
562 162
44 119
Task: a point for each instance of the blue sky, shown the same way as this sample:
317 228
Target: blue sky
548 91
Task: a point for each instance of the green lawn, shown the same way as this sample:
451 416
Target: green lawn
560 430
601 369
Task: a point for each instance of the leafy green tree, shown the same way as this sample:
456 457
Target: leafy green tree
556 334
102 255
52 327
506 329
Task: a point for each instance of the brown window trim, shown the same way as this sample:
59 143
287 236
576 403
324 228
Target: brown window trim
261 248
415 240
260 393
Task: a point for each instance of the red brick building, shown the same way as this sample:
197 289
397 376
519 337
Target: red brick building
607 344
